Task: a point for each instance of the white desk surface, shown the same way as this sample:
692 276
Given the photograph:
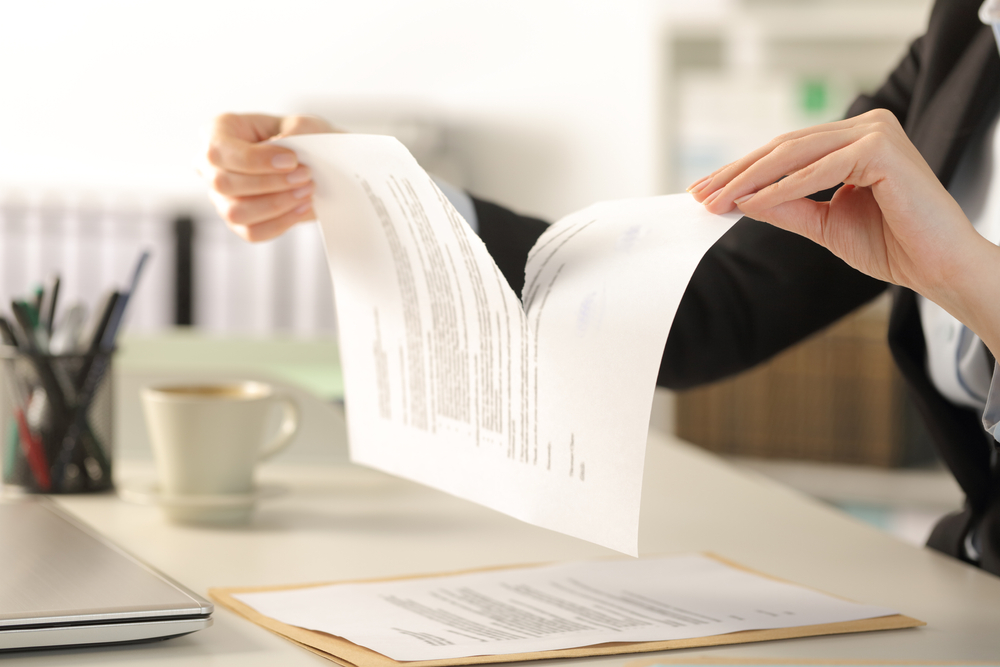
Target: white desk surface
343 522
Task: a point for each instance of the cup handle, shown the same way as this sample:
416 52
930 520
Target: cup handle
289 425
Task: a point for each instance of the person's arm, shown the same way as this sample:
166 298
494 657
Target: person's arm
756 292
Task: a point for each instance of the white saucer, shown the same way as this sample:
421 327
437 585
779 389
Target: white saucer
149 494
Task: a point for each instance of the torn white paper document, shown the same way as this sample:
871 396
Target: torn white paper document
538 411
554 607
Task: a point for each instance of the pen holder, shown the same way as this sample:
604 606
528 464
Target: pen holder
56 421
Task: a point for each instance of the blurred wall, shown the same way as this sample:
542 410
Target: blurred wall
553 101
543 105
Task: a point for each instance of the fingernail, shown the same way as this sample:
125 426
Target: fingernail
302 208
303 192
744 198
710 198
300 175
284 161
694 187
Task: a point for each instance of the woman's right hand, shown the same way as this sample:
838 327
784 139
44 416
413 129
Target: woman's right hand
892 218
259 188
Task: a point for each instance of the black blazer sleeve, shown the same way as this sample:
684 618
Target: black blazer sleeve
757 291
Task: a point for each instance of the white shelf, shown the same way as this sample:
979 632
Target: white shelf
740 73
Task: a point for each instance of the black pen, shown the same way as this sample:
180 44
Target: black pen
85 384
102 359
47 309
95 335
7 333
118 317
96 362
102 344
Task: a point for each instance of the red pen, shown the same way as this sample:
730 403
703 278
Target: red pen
33 451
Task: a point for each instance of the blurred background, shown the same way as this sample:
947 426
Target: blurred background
542 105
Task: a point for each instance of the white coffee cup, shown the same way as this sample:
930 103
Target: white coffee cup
207 439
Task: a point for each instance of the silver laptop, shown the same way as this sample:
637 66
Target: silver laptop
62 584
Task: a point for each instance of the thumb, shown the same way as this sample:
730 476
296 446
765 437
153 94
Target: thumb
303 125
804 217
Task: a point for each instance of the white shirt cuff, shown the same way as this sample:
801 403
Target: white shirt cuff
991 415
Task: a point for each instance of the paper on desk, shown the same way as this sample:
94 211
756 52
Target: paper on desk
554 607
540 412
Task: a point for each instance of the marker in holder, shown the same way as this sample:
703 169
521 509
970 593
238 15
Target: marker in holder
56 408
55 438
